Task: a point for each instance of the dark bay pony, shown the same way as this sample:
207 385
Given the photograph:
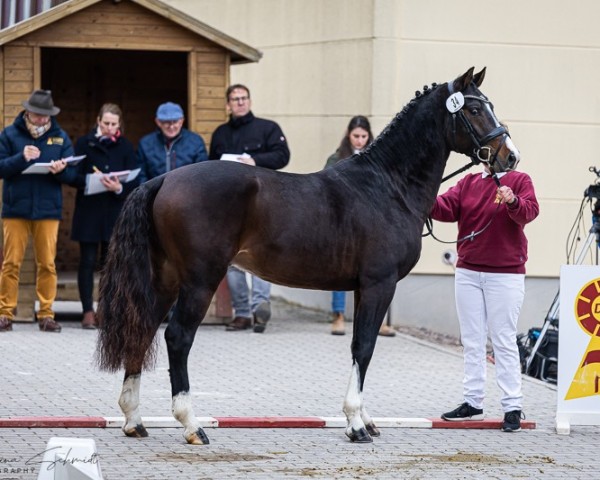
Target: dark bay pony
356 226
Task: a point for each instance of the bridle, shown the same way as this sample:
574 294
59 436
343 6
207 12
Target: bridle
455 103
482 153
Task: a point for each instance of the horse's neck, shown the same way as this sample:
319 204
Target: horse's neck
412 152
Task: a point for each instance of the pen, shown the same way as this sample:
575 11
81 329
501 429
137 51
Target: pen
96 169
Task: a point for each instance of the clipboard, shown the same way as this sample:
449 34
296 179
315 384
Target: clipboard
43 167
93 185
233 157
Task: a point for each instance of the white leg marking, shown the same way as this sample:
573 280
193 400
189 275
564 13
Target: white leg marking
184 413
366 418
353 402
129 401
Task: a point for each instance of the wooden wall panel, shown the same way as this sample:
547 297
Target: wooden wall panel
2 97
17 79
210 85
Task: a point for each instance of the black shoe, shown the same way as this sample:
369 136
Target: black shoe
463 412
262 314
512 421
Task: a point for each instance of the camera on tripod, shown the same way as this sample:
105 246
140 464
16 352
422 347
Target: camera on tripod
593 191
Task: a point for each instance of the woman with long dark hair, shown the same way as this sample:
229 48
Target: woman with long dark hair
358 136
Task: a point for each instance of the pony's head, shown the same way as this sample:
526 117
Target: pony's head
475 130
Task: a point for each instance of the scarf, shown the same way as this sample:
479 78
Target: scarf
107 139
34 130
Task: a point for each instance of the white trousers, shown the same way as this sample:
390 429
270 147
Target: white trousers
489 304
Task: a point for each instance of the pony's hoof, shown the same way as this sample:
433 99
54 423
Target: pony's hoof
373 430
359 436
198 438
138 431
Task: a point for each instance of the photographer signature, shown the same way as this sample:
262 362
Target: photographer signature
67 459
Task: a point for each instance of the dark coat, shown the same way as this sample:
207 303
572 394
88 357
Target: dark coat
33 196
95 215
155 155
262 139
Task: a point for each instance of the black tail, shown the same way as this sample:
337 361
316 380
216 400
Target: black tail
126 297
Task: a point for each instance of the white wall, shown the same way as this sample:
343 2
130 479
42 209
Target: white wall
326 60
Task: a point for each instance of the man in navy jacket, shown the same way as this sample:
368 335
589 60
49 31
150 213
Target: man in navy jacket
32 203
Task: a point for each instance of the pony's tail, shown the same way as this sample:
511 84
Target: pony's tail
126 296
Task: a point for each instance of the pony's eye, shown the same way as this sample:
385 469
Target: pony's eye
474 111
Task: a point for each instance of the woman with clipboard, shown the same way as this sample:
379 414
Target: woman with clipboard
106 150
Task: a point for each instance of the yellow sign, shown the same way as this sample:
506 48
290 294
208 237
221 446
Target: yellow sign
585 383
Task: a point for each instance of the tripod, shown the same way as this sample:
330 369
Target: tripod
552 315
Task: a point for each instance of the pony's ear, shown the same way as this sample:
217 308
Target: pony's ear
478 77
463 81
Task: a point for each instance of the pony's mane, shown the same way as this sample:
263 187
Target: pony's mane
398 118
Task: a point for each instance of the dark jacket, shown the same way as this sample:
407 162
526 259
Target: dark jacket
33 196
95 215
262 139
155 155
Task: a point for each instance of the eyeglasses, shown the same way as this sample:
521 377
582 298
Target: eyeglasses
169 123
239 99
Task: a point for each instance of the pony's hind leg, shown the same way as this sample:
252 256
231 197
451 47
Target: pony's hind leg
129 401
188 314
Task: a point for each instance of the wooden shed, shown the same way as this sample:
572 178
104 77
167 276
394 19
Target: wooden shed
136 53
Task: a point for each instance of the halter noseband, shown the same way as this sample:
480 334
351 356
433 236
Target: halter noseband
455 107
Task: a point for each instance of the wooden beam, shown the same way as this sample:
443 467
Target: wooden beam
2 89
192 88
41 20
37 68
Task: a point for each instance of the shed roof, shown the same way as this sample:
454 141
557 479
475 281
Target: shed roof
240 52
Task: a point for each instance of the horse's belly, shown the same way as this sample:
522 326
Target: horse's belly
297 270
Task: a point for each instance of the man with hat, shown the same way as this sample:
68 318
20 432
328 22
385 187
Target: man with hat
32 203
170 146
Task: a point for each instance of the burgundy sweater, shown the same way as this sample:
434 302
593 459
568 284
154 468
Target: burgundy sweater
502 247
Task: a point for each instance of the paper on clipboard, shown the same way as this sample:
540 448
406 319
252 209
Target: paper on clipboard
233 157
93 185
42 167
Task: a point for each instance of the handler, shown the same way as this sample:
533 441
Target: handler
490 282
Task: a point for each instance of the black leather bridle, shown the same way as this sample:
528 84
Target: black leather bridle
481 144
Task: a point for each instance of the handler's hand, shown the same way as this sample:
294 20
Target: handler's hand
506 194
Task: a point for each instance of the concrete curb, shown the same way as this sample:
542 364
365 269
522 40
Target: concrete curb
250 422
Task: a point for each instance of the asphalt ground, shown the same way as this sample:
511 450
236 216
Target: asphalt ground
295 369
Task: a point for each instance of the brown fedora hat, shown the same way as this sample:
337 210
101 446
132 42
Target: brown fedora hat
41 103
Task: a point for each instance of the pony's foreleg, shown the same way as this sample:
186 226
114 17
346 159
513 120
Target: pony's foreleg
353 407
184 413
129 401
370 306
